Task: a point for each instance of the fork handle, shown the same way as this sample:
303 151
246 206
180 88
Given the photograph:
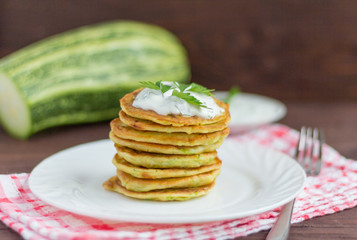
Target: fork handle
280 230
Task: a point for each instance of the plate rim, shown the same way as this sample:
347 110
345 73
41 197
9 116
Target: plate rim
169 219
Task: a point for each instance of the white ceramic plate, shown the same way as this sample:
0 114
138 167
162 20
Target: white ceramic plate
251 110
253 180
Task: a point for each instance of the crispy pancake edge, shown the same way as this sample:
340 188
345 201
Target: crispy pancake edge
159 160
146 125
165 149
145 185
183 194
155 173
177 139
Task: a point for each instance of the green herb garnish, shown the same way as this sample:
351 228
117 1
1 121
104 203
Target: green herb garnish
232 92
188 98
157 86
200 89
180 92
151 85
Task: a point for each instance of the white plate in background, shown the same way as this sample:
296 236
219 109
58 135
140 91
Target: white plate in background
253 180
251 110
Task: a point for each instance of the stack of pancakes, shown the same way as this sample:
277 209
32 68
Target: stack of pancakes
162 157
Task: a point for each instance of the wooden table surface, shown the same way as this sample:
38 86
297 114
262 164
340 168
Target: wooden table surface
337 119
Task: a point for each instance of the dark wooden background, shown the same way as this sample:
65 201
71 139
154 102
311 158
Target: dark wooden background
304 50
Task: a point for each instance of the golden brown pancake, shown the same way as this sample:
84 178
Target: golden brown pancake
144 185
126 104
178 139
178 194
157 173
146 125
161 148
157 160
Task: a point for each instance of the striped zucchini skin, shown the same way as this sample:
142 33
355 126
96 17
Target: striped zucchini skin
79 76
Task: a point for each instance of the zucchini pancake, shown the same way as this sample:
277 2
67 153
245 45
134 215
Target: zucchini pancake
166 138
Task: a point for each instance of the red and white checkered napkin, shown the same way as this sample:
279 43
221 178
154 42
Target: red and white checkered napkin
333 190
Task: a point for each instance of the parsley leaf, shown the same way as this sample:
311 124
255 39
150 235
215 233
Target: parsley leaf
157 86
151 85
164 88
181 86
194 87
188 98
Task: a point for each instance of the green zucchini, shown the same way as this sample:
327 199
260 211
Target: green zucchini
79 76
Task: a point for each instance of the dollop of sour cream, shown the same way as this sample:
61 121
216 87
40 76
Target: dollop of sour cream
165 103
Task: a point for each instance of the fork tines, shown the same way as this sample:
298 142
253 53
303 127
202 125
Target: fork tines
309 150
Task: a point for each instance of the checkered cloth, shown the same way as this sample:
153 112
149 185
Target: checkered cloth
335 189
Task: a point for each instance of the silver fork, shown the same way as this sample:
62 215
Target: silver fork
309 155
